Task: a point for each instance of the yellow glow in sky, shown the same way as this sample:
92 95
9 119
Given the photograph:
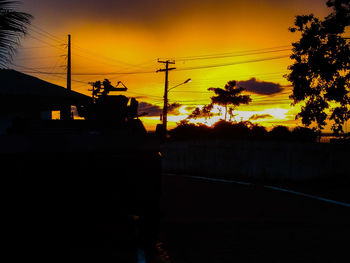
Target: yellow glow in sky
122 40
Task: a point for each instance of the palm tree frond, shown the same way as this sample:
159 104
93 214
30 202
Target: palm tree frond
13 25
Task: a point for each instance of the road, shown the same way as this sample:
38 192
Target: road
208 221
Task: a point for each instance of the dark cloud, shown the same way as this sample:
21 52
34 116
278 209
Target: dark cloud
260 87
155 110
150 109
144 11
190 108
174 108
260 116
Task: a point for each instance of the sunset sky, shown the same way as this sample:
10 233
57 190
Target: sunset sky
211 41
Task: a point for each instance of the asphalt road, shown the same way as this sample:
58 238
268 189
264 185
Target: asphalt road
208 221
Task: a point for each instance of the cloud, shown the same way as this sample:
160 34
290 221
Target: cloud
190 108
174 108
260 116
260 87
155 12
155 110
135 11
150 109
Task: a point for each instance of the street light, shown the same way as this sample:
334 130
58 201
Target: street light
188 80
165 107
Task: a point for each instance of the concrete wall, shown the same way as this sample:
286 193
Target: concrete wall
273 160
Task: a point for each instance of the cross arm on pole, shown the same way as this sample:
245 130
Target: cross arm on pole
166 62
162 70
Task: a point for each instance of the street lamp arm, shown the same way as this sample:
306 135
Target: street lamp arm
188 80
175 86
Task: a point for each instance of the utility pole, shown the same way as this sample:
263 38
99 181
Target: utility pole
69 75
165 107
66 112
69 66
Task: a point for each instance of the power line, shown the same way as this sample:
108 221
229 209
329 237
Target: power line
37 47
60 41
195 58
198 100
199 91
147 95
233 63
91 53
231 53
97 74
257 51
35 58
98 61
235 55
43 41
59 61
94 59
48 34
54 67
181 69
191 91
33 71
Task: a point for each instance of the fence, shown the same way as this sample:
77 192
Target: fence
267 159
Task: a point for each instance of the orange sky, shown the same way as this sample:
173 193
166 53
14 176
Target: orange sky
129 36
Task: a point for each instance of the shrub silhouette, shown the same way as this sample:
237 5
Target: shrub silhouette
225 129
244 130
186 130
280 133
304 134
258 132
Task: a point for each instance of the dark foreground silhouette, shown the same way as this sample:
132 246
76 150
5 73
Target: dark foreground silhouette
241 130
217 221
81 197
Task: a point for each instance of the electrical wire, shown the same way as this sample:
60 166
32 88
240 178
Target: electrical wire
232 63
37 47
91 53
37 58
235 55
233 52
181 69
29 70
215 56
48 34
45 42
96 73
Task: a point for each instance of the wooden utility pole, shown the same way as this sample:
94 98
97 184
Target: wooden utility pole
165 107
69 66
69 75
66 112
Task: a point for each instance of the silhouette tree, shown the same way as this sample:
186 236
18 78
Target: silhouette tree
303 134
229 96
186 130
258 132
280 133
320 74
205 112
13 24
229 130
